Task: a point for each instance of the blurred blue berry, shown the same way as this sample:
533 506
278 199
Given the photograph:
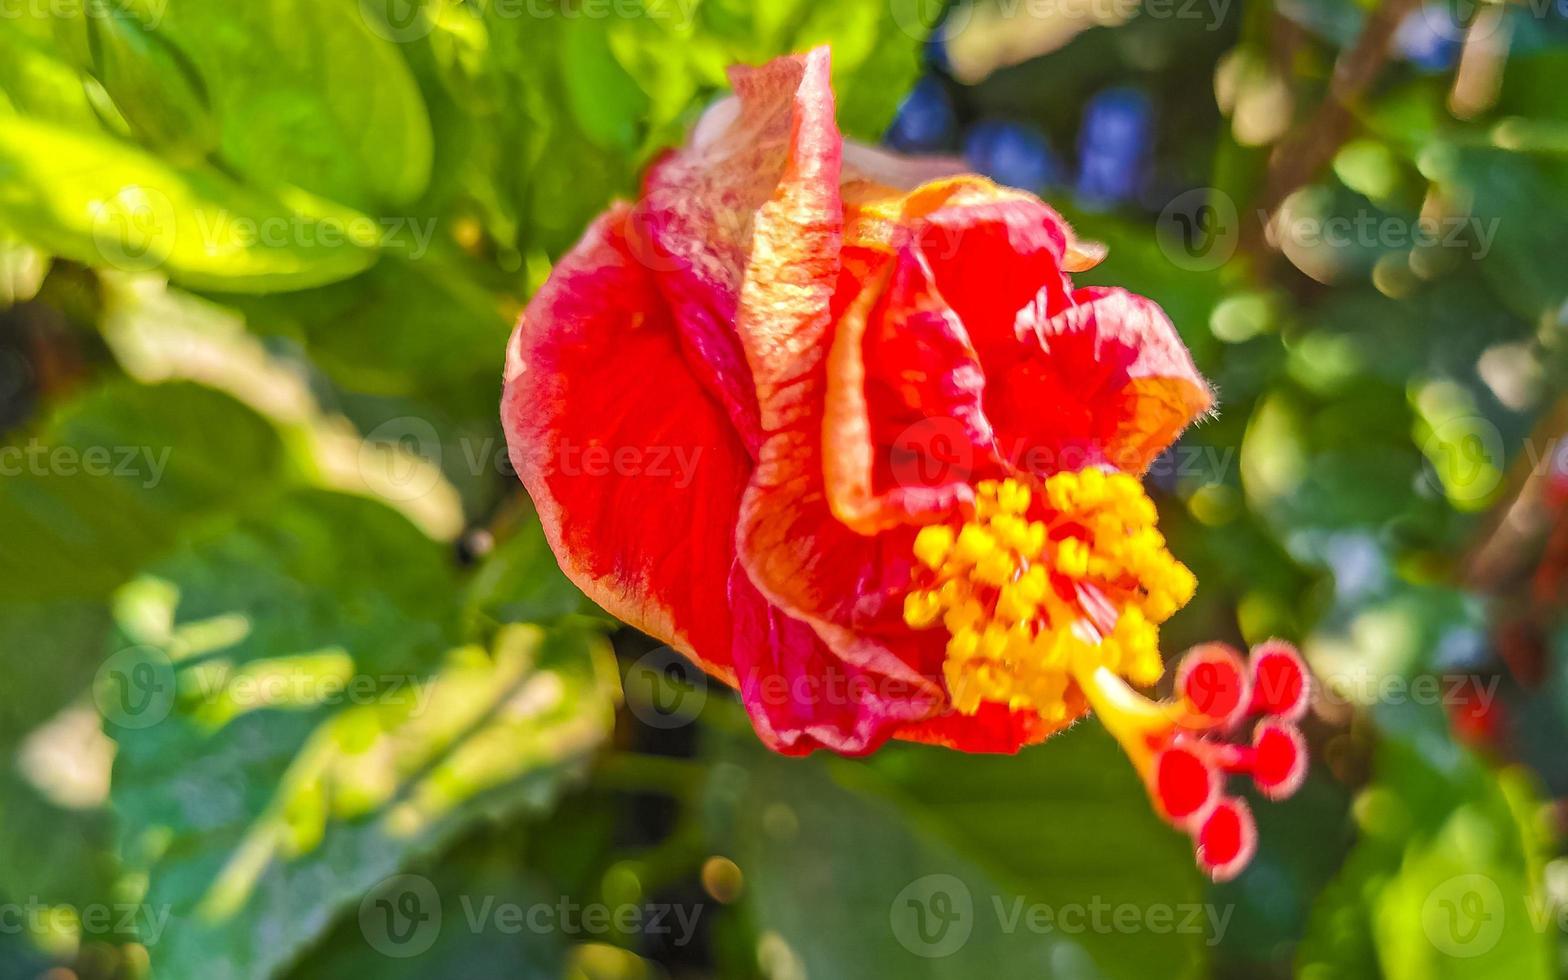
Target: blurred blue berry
1114 146
925 122
1012 153
1429 39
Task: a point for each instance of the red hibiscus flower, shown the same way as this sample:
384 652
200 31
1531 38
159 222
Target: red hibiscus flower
838 426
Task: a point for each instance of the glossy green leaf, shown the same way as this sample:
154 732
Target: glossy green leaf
153 85
37 80
932 864
119 207
1445 881
306 730
309 94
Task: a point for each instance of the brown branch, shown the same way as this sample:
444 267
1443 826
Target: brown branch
1299 158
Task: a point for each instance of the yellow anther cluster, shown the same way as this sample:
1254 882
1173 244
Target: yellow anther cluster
1007 585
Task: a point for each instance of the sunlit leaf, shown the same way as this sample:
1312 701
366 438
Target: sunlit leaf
103 202
1445 880
307 93
295 727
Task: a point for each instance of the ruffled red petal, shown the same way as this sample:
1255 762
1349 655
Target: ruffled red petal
694 224
994 728
904 425
635 469
801 696
1105 380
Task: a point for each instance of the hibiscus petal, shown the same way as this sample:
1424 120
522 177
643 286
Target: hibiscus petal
994 258
633 466
1106 380
897 172
994 728
800 695
798 555
903 425
694 224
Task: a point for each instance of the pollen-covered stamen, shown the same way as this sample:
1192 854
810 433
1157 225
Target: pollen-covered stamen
1186 748
1044 581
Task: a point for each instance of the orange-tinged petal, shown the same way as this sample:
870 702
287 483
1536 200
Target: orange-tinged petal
695 225
1106 380
846 586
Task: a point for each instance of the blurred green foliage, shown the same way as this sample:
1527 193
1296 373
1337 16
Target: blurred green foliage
294 687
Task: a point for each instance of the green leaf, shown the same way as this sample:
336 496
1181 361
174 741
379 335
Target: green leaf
153 86
307 731
1445 881
105 203
306 93
159 334
114 477
49 649
464 906
36 81
605 101
105 487
53 853
555 178
404 327
1516 207
876 59
520 582
1028 860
